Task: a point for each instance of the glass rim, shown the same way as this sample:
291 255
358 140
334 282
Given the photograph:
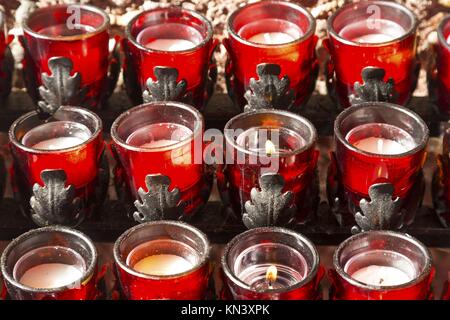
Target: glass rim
199 124
408 33
20 145
348 111
304 240
193 13
86 276
204 257
440 31
299 8
385 233
308 124
103 27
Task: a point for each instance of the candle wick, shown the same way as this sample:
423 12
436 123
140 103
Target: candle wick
381 281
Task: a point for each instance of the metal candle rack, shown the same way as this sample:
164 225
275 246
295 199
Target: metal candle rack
214 220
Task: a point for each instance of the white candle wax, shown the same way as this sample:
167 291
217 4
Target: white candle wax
271 38
170 44
58 143
163 265
380 146
372 31
374 38
159 143
381 276
50 275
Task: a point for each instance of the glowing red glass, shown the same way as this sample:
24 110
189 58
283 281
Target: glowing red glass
381 249
372 34
77 32
39 145
272 264
358 169
58 246
292 47
170 238
294 157
174 38
161 138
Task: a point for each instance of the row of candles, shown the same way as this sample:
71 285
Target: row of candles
367 34
170 260
160 150
59 171
376 144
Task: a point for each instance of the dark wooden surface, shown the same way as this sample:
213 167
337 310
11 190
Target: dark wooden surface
112 219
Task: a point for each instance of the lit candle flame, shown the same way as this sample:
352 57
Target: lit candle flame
270 148
271 275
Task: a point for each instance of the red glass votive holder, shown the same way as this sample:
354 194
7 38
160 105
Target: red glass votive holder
59 167
270 156
163 260
6 58
372 34
381 265
442 83
169 57
70 42
269 41
51 263
159 151
272 264
377 166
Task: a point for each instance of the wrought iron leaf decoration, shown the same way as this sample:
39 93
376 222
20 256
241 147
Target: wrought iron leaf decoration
166 88
54 203
374 88
269 206
158 203
269 92
60 88
381 212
